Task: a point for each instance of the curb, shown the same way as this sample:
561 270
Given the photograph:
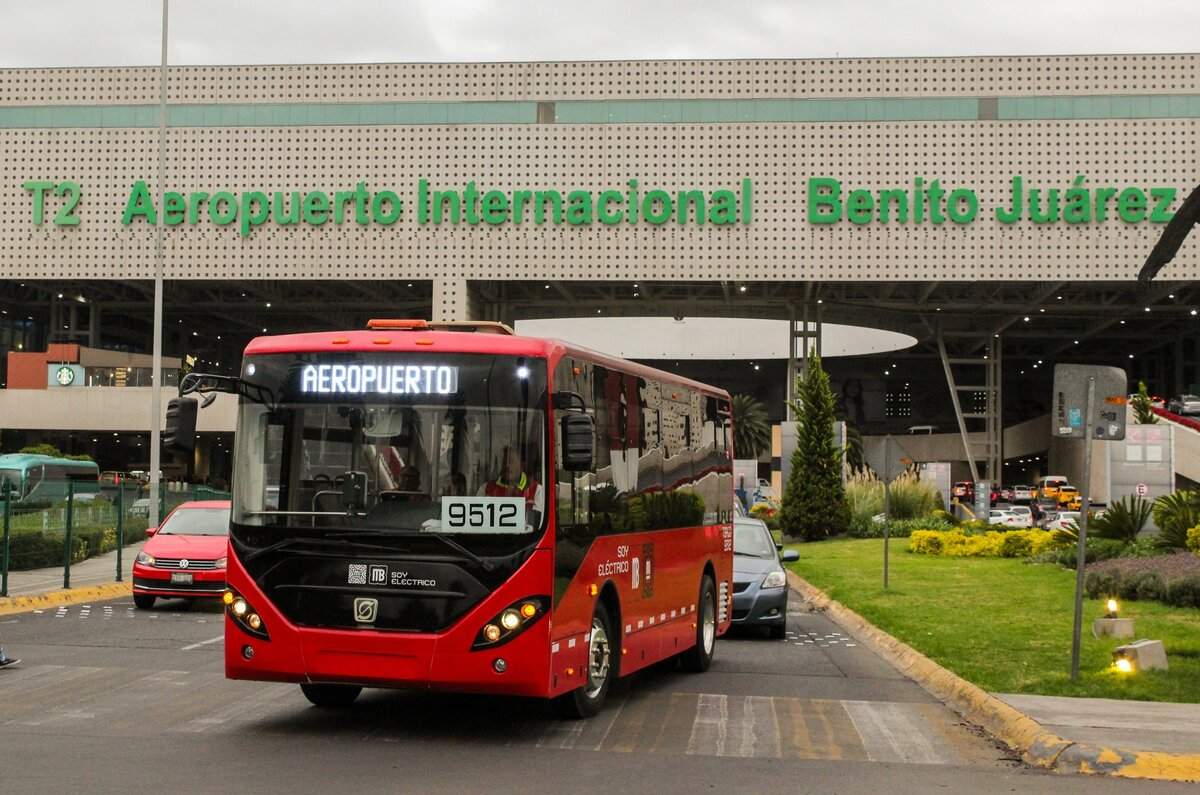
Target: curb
91 593
1038 746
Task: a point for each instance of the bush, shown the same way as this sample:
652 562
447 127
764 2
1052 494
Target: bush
1146 585
1123 520
911 498
864 497
1102 584
992 543
1184 592
897 528
1193 539
926 542
1174 513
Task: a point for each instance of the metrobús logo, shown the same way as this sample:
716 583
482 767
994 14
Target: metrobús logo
380 574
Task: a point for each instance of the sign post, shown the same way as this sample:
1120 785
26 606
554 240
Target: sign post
887 512
1089 403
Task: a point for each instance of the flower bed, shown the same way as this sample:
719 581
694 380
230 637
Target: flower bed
991 544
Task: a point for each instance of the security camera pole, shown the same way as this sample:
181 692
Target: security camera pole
156 378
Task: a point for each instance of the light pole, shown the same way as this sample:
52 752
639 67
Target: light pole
156 378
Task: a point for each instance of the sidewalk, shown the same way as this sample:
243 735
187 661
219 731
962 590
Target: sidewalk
1133 725
99 570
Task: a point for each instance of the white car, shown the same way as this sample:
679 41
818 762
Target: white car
1023 513
1022 493
1065 520
1005 517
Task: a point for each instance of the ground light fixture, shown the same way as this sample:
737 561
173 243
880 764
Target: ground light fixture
1111 608
1141 655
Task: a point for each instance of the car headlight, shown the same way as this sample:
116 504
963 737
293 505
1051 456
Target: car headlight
775 579
220 564
145 559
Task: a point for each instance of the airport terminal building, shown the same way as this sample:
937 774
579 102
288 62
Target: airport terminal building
992 208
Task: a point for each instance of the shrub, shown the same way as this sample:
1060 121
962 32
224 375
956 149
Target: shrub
1174 513
1146 585
911 498
1184 592
1123 520
1016 545
864 497
1102 584
897 528
926 542
1193 539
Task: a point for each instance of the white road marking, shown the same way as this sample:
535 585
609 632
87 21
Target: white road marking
889 734
710 726
203 643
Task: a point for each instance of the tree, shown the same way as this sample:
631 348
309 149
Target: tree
814 499
751 427
1143 412
41 449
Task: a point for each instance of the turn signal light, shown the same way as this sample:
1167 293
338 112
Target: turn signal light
511 621
227 598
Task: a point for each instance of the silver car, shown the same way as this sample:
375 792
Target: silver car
1184 404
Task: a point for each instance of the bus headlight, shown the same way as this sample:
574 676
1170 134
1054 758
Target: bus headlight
244 615
775 579
511 621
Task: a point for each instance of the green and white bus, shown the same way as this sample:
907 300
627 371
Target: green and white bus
42 479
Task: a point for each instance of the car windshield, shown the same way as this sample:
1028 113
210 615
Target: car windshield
753 540
432 443
196 522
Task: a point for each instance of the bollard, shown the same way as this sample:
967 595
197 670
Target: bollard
70 521
120 526
4 542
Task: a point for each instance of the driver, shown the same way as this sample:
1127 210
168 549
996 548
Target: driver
514 481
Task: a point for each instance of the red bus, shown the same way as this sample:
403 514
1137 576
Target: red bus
468 510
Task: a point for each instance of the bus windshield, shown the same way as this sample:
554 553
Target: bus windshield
392 444
10 481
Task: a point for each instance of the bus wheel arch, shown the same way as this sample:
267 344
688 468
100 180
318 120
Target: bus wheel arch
612 604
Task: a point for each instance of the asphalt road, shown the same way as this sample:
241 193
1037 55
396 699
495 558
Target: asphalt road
111 699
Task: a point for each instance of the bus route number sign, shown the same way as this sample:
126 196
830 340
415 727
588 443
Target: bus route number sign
483 515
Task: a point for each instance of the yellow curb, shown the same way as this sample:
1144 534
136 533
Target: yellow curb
1038 746
90 593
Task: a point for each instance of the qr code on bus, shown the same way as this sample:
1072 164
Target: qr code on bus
358 574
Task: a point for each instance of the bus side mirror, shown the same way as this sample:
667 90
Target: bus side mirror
179 435
578 441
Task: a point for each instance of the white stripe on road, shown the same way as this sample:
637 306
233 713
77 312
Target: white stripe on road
203 643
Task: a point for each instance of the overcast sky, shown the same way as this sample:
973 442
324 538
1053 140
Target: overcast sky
119 32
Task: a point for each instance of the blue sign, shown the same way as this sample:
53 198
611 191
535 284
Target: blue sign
1075 417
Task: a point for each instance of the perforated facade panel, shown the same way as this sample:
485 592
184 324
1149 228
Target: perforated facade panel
779 158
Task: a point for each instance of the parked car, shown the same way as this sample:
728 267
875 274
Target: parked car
963 491
1022 493
1005 518
185 556
1184 404
760 591
1063 520
1024 513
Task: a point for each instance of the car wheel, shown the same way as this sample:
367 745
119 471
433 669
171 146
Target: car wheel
586 700
143 601
698 658
331 696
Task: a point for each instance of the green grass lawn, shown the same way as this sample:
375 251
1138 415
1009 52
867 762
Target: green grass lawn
1002 623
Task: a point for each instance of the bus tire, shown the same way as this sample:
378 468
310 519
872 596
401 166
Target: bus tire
698 658
331 696
588 699
143 601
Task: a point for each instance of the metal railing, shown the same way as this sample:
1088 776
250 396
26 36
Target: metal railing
84 525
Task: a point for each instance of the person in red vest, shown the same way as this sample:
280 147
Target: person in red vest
514 481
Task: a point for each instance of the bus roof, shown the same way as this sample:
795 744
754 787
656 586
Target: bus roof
425 341
19 460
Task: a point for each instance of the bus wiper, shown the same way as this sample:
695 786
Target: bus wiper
320 542
486 565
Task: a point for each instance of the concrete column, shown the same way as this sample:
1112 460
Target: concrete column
452 300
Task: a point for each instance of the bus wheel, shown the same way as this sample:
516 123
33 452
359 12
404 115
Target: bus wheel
586 701
699 657
331 695
143 601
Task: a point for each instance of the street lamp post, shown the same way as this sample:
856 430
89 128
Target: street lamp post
156 378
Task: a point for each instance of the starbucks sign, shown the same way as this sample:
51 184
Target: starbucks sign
64 375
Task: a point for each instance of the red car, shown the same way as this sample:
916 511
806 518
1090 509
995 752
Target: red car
185 555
